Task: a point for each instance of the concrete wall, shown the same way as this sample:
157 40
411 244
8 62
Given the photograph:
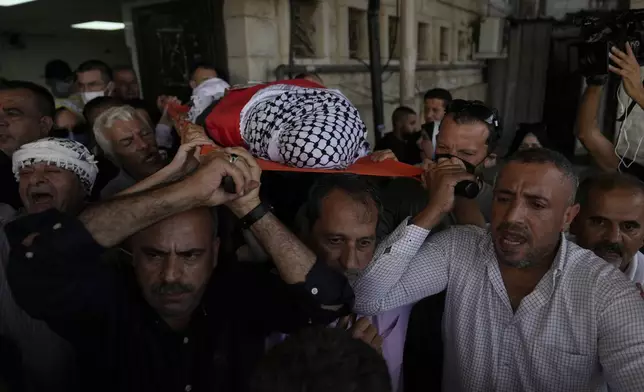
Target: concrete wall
29 63
257 33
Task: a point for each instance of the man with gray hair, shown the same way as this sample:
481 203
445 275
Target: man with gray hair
128 141
525 309
52 173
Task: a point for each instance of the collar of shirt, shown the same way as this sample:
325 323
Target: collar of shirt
488 253
635 270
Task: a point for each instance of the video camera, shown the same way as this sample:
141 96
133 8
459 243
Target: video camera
603 30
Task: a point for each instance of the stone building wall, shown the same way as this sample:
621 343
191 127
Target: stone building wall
257 34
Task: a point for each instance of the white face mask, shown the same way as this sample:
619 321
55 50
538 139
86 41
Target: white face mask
88 96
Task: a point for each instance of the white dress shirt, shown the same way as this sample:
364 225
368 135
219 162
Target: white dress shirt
581 328
635 270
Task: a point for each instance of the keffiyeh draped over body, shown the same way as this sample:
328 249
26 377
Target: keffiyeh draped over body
304 127
63 153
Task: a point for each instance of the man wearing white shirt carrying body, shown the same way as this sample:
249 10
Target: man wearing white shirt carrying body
526 310
611 221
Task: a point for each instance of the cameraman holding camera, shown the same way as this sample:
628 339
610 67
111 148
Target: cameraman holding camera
611 157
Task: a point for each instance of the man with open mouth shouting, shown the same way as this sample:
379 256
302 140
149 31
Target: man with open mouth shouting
525 309
52 174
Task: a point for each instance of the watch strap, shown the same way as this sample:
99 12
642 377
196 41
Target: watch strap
255 214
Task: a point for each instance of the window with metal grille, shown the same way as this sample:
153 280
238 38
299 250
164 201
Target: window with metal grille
444 44
423 41
358 40
303 33
464 46
394 37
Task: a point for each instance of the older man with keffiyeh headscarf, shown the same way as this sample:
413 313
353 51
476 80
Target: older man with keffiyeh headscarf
54 173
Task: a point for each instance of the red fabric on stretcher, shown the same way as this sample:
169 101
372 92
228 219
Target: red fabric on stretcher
222 124
364 166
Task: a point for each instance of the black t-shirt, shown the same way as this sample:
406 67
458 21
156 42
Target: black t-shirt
8 184
407 151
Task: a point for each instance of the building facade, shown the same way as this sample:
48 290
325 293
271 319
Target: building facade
335 32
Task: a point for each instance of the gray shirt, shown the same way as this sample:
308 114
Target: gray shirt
118 184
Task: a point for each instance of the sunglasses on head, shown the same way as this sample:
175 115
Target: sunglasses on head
475 109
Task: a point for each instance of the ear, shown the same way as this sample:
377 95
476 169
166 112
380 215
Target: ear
490 161
569 216
193 84
46 124
215 251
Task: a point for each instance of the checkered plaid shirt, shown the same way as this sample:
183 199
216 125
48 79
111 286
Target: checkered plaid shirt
581 329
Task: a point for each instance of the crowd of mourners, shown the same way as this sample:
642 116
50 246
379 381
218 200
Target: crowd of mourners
152 248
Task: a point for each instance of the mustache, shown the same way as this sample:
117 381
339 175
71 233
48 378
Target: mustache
515 229
165 288
609 247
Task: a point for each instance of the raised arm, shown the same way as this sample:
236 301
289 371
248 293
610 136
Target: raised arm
114 220
297 265
55 272
406 267
589 134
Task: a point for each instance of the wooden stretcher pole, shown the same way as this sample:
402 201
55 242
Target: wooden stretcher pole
188 131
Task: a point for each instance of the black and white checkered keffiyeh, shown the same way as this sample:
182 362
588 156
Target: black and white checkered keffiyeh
63 153
304 127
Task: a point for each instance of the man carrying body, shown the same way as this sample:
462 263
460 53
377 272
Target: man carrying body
611 221
525 308
339 223
128 140
170 325
52 173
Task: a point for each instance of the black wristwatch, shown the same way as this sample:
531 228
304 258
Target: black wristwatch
255 214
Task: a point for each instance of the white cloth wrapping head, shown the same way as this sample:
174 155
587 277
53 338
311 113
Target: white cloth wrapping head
206 93
63 153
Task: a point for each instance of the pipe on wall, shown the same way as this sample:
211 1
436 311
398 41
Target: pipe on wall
282 71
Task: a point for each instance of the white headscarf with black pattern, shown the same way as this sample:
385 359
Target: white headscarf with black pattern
63 153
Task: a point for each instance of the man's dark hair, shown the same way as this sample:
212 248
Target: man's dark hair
472 113
400 114
220 73
607 182
43 99
544 156
97 106
58 70
320 359
439 93
120 68
359 188
97 65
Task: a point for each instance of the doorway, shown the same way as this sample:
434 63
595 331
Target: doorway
173 37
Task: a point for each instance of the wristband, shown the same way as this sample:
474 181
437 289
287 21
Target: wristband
255 214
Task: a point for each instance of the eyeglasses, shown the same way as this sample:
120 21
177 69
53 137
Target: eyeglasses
475 109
